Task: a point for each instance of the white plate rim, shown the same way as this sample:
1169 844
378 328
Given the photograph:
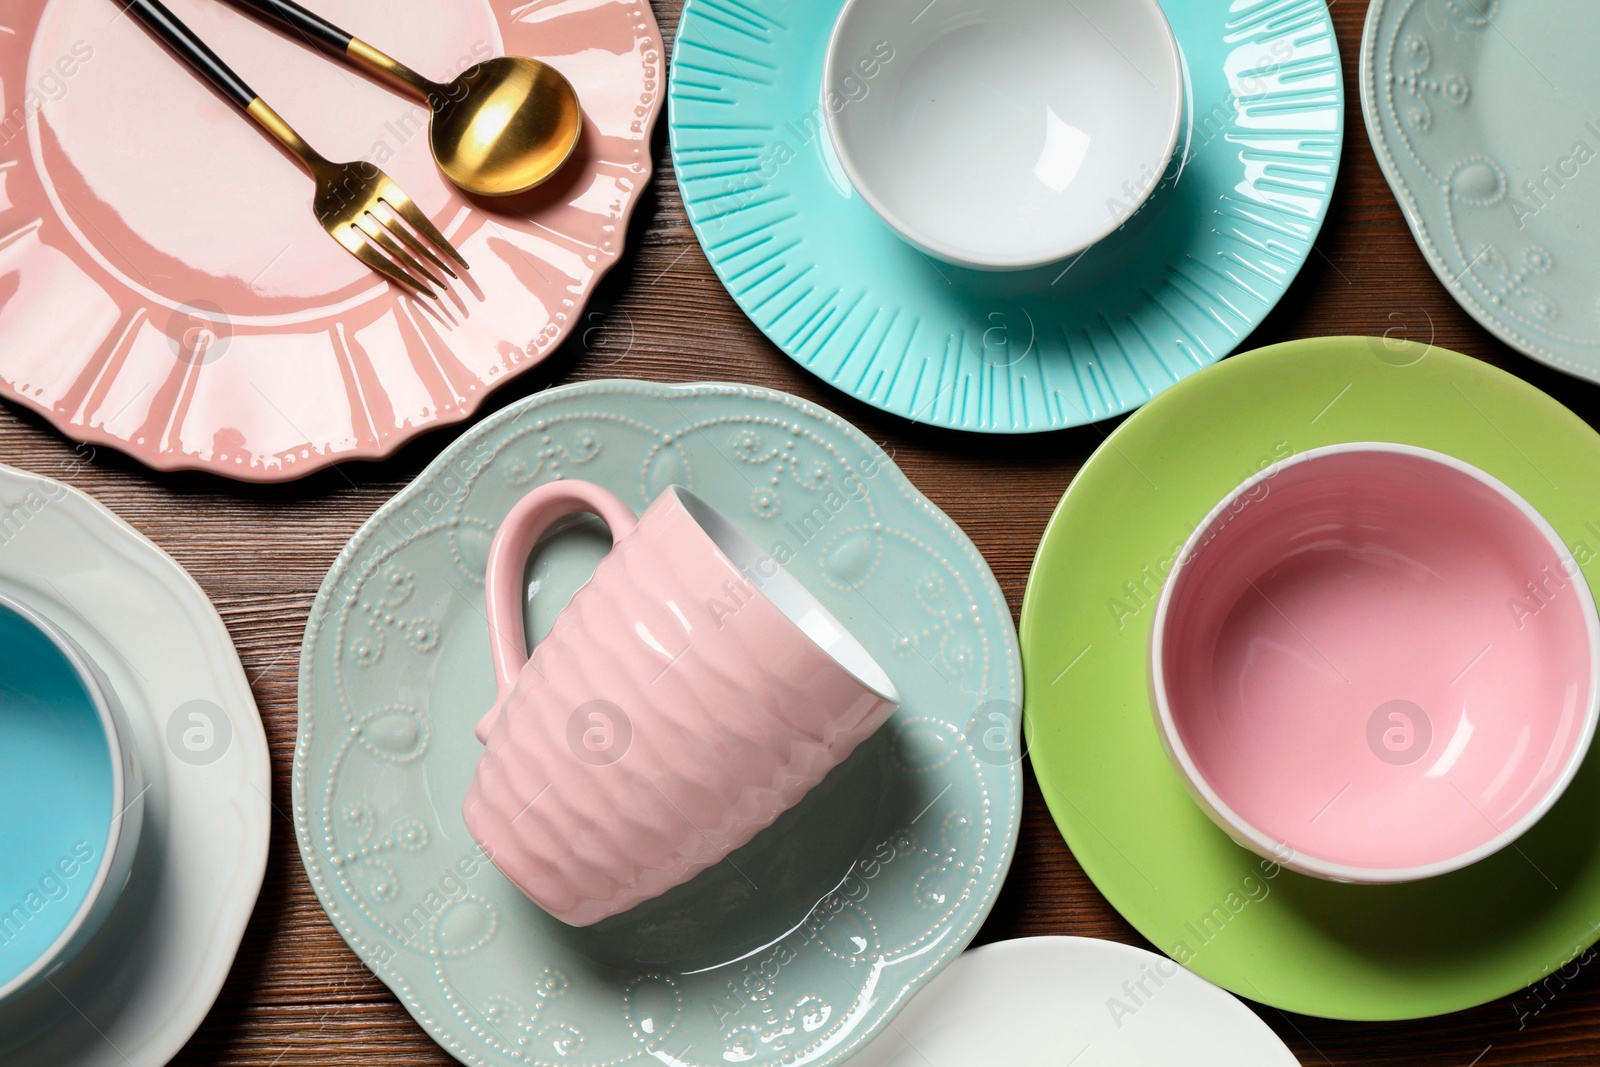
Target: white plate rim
143 1042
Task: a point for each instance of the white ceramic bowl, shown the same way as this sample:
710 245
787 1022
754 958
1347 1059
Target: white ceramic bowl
1004 134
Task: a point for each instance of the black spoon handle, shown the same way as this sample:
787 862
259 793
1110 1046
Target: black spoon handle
192 50
182 40
297 18
324 34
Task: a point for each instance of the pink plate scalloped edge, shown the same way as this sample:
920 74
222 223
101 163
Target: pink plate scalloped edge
166 291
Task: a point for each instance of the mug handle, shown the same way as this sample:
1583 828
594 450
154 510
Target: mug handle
528 521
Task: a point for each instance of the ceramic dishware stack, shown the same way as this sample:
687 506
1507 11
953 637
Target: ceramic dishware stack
672 723
135 778
1162 169
1343 636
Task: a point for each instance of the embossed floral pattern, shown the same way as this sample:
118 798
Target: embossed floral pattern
386 734
1477 193
395 589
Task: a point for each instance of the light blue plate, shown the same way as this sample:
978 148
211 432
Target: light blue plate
803 943
1484 115
1179 287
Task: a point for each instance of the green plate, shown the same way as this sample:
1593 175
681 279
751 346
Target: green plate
1314 947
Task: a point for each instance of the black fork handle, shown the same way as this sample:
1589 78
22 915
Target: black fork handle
182 40
313 26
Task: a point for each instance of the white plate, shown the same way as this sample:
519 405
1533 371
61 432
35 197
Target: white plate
1058 1001
137 993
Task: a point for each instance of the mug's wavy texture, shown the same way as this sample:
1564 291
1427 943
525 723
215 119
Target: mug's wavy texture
1179 287
800 945
706 711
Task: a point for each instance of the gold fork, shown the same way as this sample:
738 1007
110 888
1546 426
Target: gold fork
359 205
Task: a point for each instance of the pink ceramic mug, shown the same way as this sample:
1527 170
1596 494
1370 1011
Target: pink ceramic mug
690 693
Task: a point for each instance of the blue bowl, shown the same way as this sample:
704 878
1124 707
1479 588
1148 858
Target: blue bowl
71 799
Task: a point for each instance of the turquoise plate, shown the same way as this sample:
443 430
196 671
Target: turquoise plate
802 944
1483 115
1179 287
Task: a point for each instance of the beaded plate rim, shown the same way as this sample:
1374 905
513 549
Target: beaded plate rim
317 455
1007 823
1417 223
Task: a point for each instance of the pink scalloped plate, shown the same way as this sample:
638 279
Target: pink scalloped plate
165 289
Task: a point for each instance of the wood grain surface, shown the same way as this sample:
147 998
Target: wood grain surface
298 996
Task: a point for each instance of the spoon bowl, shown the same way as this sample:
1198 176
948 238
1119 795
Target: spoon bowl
504 126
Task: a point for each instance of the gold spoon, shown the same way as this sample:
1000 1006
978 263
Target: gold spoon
499 128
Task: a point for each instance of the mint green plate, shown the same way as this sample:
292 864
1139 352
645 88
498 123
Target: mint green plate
1179 287
1483 115
1319 948
801 945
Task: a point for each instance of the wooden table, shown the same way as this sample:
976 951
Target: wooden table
298 995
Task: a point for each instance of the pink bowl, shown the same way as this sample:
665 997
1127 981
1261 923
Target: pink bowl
1374 663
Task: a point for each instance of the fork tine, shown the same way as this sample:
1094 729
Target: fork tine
413 214
358 245
379 234
393 223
